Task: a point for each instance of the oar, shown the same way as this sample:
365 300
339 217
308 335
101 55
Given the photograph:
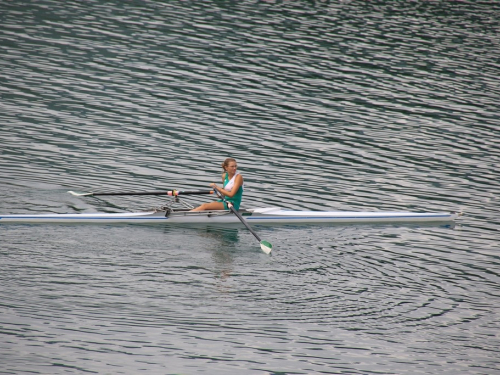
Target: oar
264 245
170 192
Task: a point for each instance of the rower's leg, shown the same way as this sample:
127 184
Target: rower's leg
210 206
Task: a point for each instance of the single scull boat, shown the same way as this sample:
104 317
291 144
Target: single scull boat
169 214
270 215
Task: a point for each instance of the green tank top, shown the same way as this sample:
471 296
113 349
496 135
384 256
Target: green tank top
235 199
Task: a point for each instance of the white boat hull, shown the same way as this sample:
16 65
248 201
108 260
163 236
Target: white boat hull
269 216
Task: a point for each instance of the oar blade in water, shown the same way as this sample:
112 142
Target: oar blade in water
80 194
266 247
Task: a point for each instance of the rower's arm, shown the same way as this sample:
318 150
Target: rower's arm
237 184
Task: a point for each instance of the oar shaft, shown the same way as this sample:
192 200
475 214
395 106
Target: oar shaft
243 221
193 192
234 211
169 192
133 193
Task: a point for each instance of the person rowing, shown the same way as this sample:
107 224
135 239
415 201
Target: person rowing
232 188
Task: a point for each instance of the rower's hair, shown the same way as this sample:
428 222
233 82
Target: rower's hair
226 163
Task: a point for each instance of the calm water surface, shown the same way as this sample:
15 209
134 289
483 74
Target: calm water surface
343 105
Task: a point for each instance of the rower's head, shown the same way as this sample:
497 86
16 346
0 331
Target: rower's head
230 165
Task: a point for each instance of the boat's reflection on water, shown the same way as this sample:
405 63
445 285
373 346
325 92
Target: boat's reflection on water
224 243
221 244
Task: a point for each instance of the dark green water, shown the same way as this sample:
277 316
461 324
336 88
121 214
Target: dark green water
344 105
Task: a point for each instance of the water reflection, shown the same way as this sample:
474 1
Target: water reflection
225 246
215 248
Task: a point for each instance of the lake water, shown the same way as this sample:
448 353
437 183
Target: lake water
336 105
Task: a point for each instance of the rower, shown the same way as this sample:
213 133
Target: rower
232 190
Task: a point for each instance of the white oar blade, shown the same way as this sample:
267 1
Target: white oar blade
266 247
79 194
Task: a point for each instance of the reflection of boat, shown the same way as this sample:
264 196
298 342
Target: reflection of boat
270 215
